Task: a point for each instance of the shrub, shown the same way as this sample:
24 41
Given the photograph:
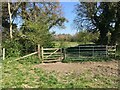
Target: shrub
12 48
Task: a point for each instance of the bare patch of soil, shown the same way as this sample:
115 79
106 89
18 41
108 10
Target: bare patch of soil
107 68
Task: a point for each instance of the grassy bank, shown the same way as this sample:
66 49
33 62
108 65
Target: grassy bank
23 74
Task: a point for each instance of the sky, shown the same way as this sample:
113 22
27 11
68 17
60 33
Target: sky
69 14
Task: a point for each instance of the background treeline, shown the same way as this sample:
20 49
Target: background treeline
26 24
82 36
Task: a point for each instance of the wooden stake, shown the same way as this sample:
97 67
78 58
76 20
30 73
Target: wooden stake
64 53
39 51
3 53
93 52
106 50
61 54
42 54
115 51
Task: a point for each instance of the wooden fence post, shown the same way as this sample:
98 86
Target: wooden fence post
106 50
79 51
3 53
93 52
39 51
61 54
115 50
64 53
42 54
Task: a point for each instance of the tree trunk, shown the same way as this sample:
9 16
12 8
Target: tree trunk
116 33
103 38
10 16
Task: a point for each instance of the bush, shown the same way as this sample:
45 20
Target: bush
12 48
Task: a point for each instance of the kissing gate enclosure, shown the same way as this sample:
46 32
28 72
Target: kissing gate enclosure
73 53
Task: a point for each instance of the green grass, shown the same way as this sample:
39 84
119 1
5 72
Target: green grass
65 44
69 44
22 74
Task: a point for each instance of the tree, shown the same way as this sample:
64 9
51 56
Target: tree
86 37
40 18
62 37
9 11
98 17
115 32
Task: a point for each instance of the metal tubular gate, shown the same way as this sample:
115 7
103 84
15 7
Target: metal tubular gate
80 52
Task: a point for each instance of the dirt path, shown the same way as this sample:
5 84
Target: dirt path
104 68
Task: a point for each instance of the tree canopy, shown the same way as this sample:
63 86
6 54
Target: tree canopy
37 20
99 16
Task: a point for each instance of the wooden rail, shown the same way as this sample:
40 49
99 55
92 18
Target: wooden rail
51 54
27 56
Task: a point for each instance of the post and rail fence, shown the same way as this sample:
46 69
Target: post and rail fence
77 52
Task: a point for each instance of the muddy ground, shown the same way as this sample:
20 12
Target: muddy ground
107 68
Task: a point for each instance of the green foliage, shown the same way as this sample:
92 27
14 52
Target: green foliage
62 44
37 19
37 32
63 37
13 48
42 18
99 16
30 60
86 37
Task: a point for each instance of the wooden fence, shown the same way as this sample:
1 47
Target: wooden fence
77 52
51 54
46 54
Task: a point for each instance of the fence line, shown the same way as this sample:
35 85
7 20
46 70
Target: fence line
57 54
90 51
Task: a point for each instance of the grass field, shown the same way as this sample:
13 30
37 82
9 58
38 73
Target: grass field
65 44
68 44
27 74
